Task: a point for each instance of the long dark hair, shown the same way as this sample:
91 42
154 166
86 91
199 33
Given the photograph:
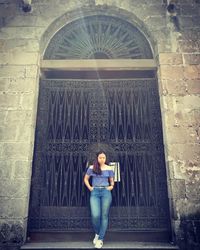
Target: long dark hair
96 165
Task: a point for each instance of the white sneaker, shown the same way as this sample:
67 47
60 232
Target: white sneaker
95 239
99 244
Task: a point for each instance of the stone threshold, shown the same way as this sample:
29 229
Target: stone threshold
107 245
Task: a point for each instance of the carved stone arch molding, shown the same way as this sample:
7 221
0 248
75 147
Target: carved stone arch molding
100 32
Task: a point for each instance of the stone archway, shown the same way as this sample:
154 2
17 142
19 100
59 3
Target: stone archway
130 99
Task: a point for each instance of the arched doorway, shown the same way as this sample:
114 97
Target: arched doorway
79 110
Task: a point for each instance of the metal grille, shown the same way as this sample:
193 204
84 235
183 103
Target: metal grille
72 116
100 37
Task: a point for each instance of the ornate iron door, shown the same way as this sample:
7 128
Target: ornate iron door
75 114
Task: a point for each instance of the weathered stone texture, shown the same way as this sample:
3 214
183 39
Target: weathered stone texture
18 58
11 233
13 207
171 72
16 188
6 168
9 101
170 59
191 58
19 45
178 189
22 169
16 150
192 72
8 132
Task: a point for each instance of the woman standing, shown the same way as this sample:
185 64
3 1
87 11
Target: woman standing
100 196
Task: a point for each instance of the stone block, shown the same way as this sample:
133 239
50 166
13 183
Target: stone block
27 101
192 72
4 84
163 46
193 186
193 86
187 22
180 135
24 132
187 169
19 116
190 35
43 9
8 132
157 9
183 118
161 35
12 71
155 22
19 58
192 118
189 46
192 208
179 167
188 10
178 189
16 188
23 85
3 114
167 103
191 58
6 167
19 45
1 149
170 59
17 150
21 32
32 71
22 20
22 169
187 208
171 72
13 208
8 8
187 103
174 87
9 101
187 154
181 206
2 43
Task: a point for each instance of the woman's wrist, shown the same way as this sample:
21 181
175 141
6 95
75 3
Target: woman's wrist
90 188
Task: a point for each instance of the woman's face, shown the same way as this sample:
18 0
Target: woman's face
101 158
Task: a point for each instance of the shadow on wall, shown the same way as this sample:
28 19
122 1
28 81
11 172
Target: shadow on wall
189 238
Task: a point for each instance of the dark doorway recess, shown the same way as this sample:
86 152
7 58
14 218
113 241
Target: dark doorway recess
123 114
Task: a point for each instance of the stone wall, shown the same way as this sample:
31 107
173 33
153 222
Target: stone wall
180 97
176 44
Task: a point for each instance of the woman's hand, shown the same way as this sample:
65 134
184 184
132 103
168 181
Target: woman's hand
109 188
86 181
91 188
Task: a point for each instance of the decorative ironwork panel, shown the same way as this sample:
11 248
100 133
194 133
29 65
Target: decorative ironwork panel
98 36
72 116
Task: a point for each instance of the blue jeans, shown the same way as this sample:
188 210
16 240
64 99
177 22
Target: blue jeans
100 201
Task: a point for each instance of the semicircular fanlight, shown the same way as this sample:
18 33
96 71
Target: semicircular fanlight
100 37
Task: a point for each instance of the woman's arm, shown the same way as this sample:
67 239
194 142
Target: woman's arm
111 179
86 181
